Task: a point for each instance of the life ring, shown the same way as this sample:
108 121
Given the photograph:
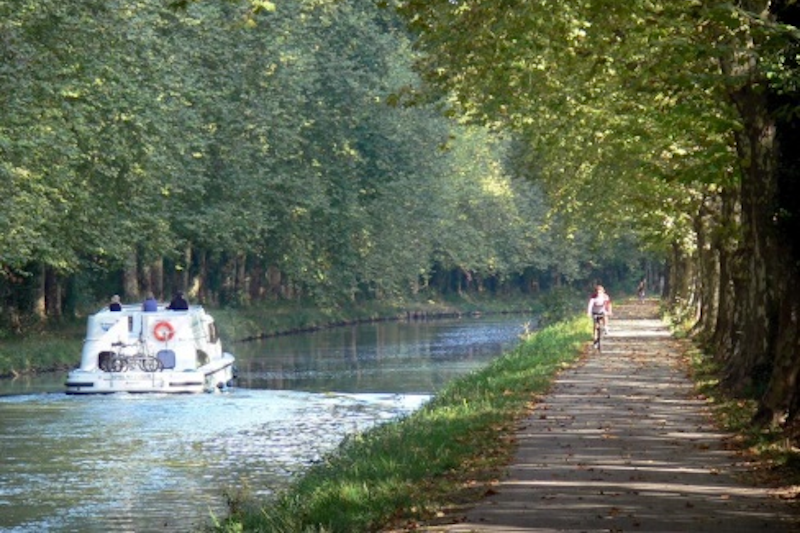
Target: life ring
163 331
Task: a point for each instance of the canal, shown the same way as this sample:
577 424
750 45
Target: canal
165 463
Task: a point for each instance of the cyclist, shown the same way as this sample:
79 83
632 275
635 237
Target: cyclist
600 308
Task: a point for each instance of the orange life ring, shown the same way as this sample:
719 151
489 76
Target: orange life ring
163 331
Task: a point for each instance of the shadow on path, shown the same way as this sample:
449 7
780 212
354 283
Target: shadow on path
621 444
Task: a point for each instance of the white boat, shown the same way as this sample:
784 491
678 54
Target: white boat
160 351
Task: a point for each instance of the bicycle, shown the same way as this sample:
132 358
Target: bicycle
132 356
599 329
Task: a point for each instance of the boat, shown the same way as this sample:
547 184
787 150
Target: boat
166 351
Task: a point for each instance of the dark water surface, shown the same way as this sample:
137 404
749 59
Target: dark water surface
163 462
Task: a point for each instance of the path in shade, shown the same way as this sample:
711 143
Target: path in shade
622 444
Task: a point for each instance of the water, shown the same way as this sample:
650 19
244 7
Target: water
164 463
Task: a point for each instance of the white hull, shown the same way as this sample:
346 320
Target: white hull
209 378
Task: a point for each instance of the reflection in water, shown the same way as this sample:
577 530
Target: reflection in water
418 357
160 462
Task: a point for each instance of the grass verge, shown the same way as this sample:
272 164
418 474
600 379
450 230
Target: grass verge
43 353
413 469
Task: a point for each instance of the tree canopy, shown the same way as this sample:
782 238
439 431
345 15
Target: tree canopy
245 151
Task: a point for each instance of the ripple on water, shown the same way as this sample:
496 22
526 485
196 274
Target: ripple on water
143 462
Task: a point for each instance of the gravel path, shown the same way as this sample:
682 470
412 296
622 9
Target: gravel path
622 444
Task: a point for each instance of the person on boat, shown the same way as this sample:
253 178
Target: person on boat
115 305
150 304
178 302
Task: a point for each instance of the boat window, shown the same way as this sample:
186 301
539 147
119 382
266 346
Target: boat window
104 359
213 334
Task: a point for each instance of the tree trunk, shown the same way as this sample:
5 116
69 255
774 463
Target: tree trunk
681 283
781 400
256 282
130 278
275 280
71 297
242 279
156 270
752 356
52 293
228 275
200 288
146 281
708 280
184 277
40 293
725 243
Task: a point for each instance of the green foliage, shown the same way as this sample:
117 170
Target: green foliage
560 303
619 107
408 469
222 137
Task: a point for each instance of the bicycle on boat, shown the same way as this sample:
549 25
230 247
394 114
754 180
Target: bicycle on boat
132 356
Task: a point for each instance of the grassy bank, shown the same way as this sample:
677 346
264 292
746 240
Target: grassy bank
438 457
58 346
45 352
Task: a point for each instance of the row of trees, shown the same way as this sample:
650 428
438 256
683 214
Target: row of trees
676 118
243 153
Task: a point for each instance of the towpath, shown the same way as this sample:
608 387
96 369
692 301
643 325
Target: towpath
623 444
